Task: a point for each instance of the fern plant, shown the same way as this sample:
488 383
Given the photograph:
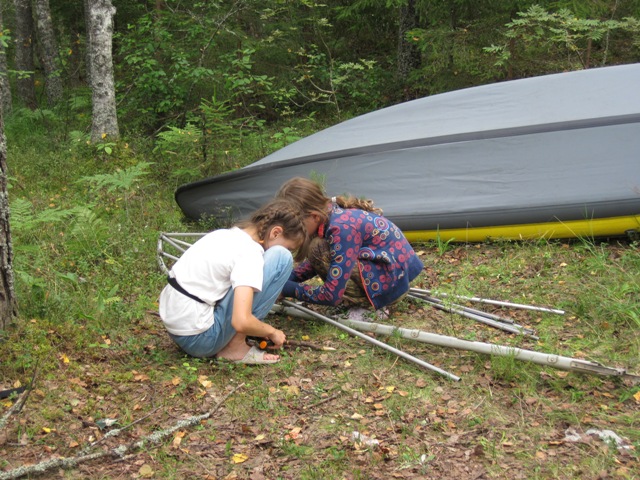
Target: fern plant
122 181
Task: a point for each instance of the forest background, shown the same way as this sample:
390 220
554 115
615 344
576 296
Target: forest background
200 88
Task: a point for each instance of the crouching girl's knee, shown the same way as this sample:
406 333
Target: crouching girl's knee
278 258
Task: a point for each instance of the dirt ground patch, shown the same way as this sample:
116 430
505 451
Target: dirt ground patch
356 412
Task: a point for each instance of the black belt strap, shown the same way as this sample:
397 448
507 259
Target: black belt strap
174 283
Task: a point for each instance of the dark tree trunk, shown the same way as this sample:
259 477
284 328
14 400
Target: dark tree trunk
48 51
25 84
408 53
87 53
105 120
4 75
8 305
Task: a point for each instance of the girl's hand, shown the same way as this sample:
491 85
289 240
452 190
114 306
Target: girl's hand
278 338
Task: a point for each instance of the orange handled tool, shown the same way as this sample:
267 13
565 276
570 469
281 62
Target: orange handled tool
261 343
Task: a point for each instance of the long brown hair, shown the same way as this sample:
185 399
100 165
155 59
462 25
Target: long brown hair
309 195
279 212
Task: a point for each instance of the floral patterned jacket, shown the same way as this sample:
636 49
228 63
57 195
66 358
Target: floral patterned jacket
371 243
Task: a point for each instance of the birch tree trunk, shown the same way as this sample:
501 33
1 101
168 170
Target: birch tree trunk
6 104
104 116
48 51
25 84
8 305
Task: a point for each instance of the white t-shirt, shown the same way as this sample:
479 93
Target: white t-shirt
220 260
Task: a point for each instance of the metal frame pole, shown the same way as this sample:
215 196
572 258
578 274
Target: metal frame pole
479 317
493 302
369 339
546 359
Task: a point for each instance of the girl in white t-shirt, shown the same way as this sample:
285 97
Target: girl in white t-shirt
225 284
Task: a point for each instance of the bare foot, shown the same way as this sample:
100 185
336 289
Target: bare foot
234 353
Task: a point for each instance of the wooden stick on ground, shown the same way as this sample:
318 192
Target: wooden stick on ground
153 438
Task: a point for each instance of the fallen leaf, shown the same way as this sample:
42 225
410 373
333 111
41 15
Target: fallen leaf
239 458
177 439
146 471
204 381
64 358
73 444
78 382
292 389
175 381
636 396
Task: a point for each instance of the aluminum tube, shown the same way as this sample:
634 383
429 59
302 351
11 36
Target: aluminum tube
493 302
545 359
467 309
369 339
478 318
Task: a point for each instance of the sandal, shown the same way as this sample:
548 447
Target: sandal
254 356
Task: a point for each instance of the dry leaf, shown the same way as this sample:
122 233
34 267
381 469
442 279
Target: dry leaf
177 439
175 381
239 458
146 471
64 358
541 455
204 381
636 396
292 389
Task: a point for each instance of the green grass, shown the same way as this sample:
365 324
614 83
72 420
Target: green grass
87 283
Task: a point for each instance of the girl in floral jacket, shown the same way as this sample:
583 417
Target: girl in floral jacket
362 256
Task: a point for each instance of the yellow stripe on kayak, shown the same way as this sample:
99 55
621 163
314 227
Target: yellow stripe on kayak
600 227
